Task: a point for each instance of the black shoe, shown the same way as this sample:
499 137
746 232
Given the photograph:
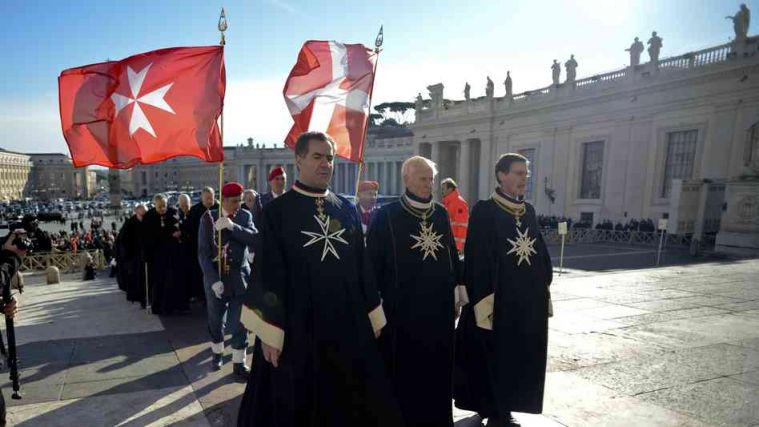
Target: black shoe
508 421
241 370
217 362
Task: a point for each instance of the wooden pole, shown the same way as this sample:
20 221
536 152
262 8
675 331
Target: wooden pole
222 27
377 45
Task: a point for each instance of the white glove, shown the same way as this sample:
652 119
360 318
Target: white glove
224 222
250 257
218 289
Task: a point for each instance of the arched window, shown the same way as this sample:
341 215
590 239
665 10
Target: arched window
751 153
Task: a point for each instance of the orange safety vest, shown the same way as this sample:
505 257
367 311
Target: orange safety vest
458 212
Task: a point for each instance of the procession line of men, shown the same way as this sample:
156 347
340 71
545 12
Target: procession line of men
354 308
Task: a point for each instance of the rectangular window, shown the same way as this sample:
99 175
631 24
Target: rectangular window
529 153
586 218
680 156
592 165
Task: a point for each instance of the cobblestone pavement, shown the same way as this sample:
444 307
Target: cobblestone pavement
676 345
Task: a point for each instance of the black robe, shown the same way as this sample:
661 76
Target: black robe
130 259
503 369
309 298
167 291
194 273
187 255
418 297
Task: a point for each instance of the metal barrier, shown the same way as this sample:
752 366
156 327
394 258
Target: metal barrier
592 235
67 262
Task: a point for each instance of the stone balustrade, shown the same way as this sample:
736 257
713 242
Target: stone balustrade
725 53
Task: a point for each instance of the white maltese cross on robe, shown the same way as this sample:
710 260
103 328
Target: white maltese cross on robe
523 247
428 242
326 236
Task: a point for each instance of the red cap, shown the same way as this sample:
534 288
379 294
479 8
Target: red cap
279 170
368 185
232 189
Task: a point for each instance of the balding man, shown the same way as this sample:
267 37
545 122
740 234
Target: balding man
187 253
167 294
458 211
130 256
414 263
162 243
207 201
251 202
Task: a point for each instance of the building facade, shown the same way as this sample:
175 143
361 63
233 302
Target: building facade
250 163
607 146
14 174
53 176
43 176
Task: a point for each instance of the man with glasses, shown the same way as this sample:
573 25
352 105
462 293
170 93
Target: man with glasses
225 285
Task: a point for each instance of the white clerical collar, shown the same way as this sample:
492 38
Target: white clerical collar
416 204
300 188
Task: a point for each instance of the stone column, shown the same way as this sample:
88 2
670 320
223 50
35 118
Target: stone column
436 158
487 163
466 179
114 191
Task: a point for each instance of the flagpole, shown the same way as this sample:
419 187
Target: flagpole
222 27
377 45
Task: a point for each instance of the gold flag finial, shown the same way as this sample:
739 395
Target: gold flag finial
222 26
380 37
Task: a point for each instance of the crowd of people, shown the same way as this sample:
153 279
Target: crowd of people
552 222
333 291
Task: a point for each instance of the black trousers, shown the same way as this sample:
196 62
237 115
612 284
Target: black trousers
2 410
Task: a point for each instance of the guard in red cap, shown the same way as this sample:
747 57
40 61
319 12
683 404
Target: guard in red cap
225 291
277 183
367 202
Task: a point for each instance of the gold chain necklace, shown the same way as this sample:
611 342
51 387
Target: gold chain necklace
517 210
422 214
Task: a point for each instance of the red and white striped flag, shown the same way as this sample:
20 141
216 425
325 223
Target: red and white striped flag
329 90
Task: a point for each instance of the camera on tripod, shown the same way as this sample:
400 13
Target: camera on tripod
22 240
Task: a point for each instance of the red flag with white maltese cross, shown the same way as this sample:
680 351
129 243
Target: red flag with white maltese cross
329 90
144 109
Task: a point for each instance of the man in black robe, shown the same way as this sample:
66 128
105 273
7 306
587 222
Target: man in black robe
130 256
166 291
187 255
413 259
316 361
195 274
502 336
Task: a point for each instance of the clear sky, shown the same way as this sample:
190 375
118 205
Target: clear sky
426 42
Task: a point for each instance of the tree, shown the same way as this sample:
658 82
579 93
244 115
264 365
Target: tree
400 112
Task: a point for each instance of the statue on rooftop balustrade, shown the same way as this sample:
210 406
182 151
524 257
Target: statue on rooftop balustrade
741 21
556 69
419 103
635 50
489 88
507 84
654 47
571 67
467 89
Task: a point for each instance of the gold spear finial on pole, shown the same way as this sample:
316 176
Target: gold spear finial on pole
380 38
222 26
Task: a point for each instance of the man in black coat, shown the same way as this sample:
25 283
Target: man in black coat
195 275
